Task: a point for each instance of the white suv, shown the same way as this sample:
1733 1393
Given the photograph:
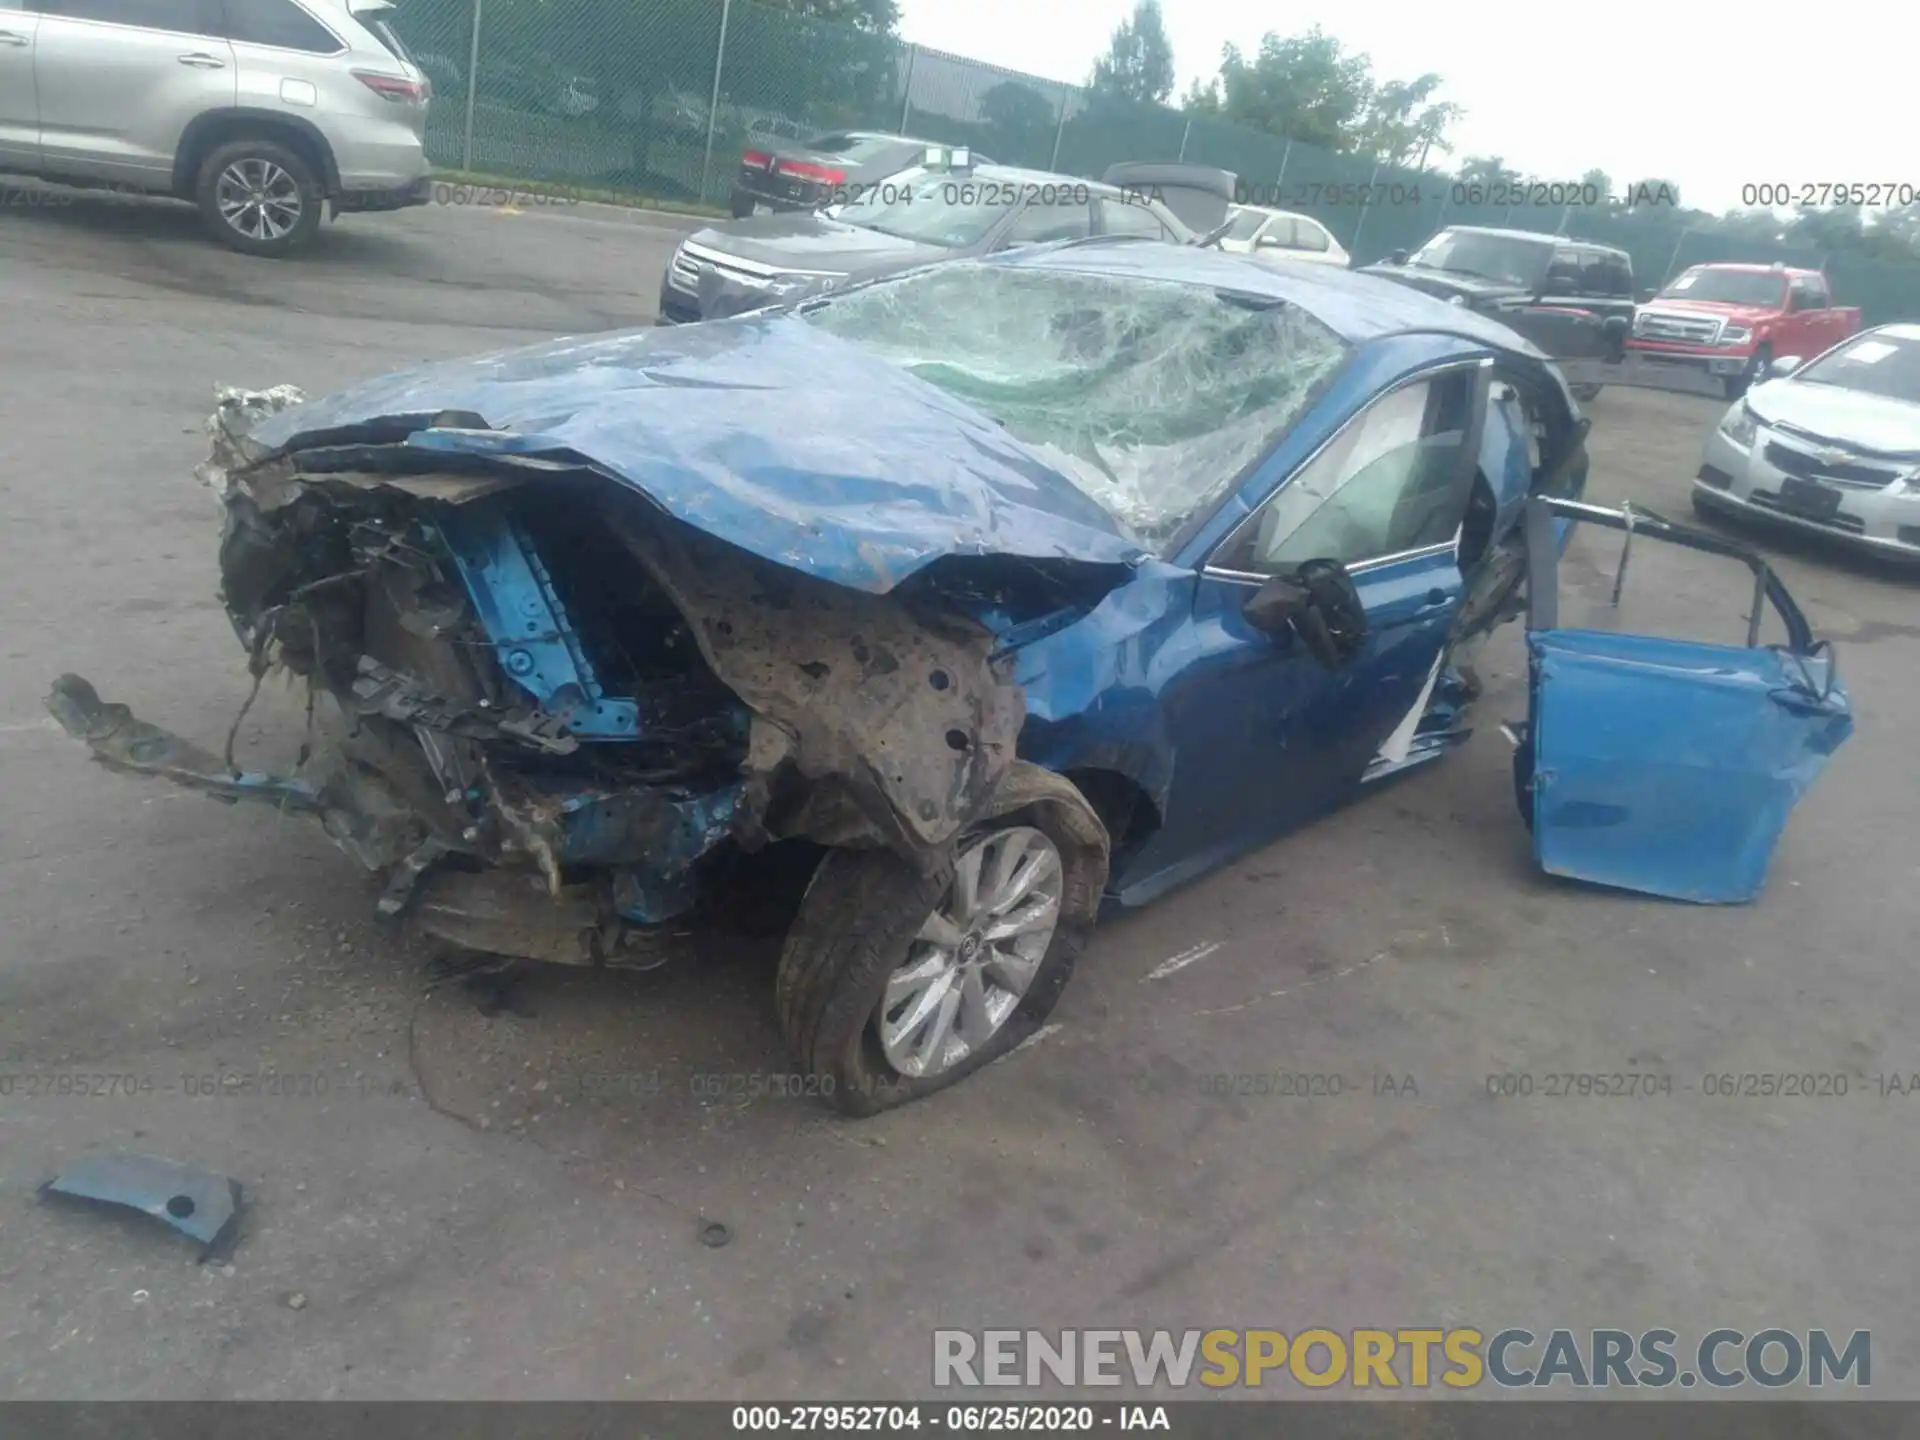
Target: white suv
261 112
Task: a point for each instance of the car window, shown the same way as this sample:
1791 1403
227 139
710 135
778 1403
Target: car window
1618 270
1807 295
1564 274
1729 287
1278 231
377 26
1039 223
1121 217
860 149
1389 483
931 207
1246 224
1307 235
181 17
279 23
1594 280
1517 258
1880 362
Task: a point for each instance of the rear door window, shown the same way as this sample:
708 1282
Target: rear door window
1246 224
1307 235
281 24
1118 217
1038 224
1564 275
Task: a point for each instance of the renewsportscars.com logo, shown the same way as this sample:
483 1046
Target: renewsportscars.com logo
1460 1359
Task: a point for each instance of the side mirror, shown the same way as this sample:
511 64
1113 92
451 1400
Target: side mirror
1783 366
1317 601
1397 257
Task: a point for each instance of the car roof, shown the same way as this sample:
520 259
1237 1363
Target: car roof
1278 214
1537 235
1356 307
1019 175
1751 267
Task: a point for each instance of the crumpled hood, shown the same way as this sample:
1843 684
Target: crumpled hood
764 431
1840 416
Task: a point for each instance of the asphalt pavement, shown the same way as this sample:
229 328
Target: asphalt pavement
446 1202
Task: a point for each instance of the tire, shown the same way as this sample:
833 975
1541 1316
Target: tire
1756 371
288 178
860 919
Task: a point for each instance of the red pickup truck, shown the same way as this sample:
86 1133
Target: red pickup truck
1733 321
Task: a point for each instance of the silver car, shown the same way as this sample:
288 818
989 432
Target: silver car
1831 445
261 112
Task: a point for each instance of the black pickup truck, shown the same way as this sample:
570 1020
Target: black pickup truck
1572 298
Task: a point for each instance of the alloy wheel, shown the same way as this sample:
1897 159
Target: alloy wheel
259 199
975 955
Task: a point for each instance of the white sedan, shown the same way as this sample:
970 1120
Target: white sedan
1281 235
1832 446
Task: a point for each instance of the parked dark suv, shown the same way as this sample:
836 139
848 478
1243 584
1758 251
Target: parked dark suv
1572 298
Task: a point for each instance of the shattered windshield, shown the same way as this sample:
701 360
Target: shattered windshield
1491 257
1151 397
1730 287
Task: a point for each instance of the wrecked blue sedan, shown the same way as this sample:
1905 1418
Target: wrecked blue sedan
966 600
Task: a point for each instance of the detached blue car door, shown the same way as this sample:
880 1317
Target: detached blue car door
1264 736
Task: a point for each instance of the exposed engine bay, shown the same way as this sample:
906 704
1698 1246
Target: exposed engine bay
543 715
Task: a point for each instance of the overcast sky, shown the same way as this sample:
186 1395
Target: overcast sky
1710 96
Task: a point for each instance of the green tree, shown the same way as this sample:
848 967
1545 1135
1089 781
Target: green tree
875 17
1489 171
1896 235
1202 99
1138 65
1652 195
1019 124
1303 87
1403 123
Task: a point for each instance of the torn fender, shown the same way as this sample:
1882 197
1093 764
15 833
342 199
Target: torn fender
912 723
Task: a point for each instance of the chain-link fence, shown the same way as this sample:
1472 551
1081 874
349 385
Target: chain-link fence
659 97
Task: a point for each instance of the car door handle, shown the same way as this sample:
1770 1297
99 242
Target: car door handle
12 37
201 61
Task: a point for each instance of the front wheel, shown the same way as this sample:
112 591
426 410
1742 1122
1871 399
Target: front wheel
894 984
259 197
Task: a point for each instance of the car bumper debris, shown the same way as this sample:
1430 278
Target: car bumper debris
200 1205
